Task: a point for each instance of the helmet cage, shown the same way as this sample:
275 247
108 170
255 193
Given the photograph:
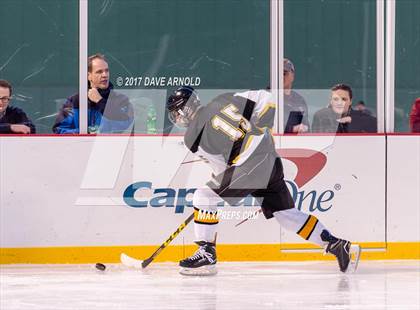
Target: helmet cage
181 106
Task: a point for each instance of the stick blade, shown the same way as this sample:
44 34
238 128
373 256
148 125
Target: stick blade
130 261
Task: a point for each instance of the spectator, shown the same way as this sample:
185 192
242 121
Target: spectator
295 108
108 111
12 119
339 117
415 116
360 106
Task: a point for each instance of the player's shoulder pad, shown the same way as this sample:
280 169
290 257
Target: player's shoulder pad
261 95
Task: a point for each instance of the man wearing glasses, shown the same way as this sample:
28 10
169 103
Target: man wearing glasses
12 119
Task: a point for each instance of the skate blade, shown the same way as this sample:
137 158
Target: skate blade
355 251
208 270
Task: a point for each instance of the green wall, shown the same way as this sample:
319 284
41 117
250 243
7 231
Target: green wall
332 42
226 43
39 54
407 60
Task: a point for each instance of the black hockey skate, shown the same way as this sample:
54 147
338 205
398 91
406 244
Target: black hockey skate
342 250
203 262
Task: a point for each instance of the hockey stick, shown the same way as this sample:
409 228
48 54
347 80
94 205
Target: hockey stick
178 179
136 263
194 161
249 217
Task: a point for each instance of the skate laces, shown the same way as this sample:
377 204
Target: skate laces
332 245
202 253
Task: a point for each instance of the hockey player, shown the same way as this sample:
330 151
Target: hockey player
232 132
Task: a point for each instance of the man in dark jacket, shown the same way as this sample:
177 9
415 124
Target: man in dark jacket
339 117
12 119
108 111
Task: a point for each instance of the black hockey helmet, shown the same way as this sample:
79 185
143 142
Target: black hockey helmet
181 105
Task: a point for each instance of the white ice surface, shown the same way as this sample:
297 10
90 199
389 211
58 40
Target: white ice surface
283 285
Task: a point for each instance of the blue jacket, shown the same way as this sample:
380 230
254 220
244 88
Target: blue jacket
112 114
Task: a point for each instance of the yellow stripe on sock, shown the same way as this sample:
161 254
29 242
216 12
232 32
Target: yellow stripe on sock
307 228
205 217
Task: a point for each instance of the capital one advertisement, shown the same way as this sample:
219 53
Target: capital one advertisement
104 191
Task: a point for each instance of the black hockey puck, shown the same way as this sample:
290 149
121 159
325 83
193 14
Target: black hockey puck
100 266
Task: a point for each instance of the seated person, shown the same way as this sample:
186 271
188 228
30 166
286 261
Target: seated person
295 108
339 117
12 119
361 106
415 116
108 111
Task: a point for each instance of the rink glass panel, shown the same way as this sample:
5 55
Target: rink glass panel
331 42
39 55
407 61
226 44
